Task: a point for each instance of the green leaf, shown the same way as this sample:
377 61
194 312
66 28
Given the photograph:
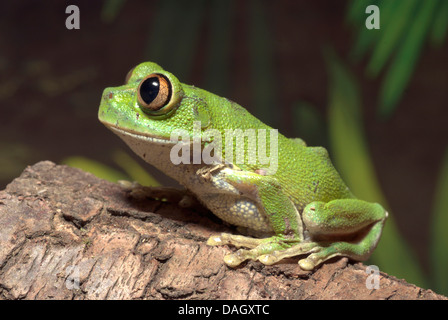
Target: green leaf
403 64
440 25
351 157
366 38
393 27
356 11
134 170
96 168
439 235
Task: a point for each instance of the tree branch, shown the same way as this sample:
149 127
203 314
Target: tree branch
66 234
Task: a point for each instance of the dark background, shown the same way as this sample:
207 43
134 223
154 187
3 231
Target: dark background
52 80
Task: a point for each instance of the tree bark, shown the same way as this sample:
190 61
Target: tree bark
66 234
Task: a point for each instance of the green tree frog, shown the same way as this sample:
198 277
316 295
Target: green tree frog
287 196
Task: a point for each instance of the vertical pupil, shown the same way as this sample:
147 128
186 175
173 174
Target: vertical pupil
149 89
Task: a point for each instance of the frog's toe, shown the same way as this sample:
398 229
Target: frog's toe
206 173
235 240
320 255
268 259
215 241
235 259
295 250
221 239
306 264
128 185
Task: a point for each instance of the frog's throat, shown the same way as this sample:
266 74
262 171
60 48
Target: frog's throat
126 134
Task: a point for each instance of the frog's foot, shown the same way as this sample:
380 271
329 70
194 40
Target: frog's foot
206 173
128 185
271 250
181 197
260 249
270 253
135 190
320 252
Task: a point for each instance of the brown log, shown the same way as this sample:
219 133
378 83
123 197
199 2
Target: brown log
66 234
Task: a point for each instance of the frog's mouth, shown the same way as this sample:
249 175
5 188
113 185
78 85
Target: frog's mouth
130 135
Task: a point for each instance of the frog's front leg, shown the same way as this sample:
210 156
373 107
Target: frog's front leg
261 248
278 210
345 227
183 198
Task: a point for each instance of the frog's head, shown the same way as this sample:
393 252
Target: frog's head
151 103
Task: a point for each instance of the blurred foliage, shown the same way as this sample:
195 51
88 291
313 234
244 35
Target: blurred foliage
405 26
14 156
353 161
130 169
98 169
134 170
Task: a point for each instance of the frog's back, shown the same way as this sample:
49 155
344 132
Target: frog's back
307 174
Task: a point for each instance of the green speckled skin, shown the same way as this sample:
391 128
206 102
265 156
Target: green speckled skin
302 207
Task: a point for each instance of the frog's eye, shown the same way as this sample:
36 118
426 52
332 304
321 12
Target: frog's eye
154 92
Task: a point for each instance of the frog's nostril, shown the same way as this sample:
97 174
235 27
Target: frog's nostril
110 95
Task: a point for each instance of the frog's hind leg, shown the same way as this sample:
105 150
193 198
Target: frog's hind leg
357 222
357 251
322 251
354 227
